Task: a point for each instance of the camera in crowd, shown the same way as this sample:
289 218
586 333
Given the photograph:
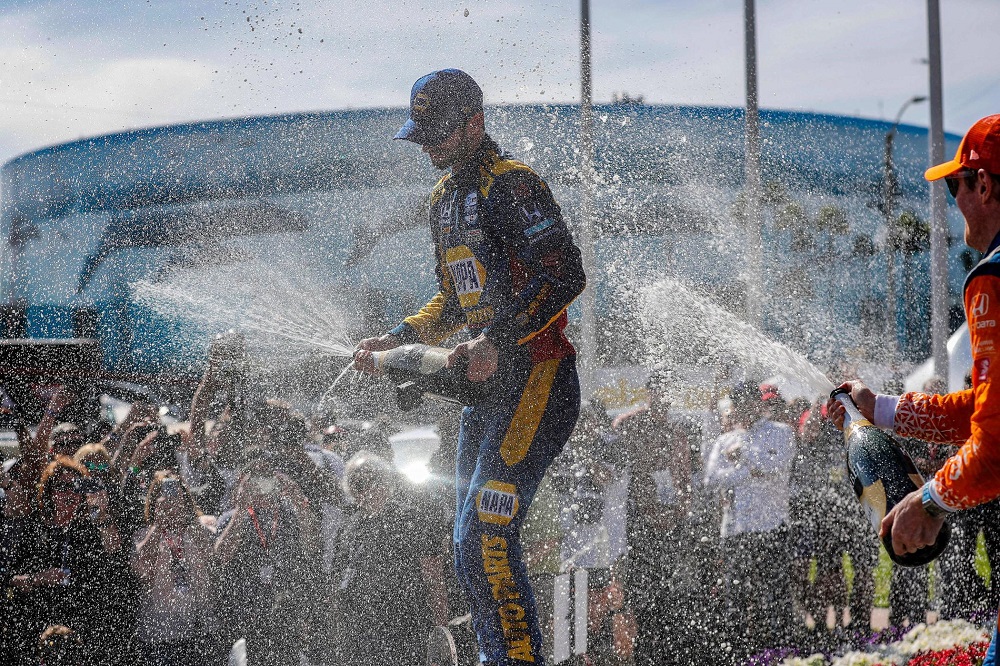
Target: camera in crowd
227 355
236 387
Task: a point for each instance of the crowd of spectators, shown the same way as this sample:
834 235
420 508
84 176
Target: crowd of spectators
743 533
246 532
712 534
251 532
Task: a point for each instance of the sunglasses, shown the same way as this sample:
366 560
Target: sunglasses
956 178
97 467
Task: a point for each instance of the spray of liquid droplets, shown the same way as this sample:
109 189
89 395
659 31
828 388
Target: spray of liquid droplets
282 313
680 319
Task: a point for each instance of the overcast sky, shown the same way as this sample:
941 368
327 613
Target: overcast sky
75 69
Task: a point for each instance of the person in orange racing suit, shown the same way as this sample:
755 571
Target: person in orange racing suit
970 418
507 269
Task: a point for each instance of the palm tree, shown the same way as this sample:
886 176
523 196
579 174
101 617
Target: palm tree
832 220
775 194
910 235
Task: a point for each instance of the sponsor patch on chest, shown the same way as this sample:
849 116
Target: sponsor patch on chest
531 213
467 275
470 211
980 306
446 210
536 229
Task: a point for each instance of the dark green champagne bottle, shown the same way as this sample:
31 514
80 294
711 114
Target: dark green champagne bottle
882 475
420 370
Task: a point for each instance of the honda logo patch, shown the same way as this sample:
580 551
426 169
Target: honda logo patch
980 306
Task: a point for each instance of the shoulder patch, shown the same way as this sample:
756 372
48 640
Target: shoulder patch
989 265
522 182
503 165
498 166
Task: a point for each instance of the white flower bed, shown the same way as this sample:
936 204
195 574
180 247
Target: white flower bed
939 636
861 659
921 638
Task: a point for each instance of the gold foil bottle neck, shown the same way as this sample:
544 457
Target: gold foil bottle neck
853 427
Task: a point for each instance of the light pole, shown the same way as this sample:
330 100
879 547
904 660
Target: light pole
588 304
939 222
752 188
890 189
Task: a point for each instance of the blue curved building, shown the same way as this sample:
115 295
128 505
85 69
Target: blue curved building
331 194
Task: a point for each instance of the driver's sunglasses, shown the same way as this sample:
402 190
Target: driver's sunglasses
96 467
956 178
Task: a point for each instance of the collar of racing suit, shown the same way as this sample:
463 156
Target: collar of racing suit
993 245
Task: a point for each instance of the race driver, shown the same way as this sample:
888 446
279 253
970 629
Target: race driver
969 418
507 269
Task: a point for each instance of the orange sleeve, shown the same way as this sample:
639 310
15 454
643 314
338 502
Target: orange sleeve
972 476
942 419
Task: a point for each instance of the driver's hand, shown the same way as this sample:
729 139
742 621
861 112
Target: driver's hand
863 397
912 528
483 357
364 361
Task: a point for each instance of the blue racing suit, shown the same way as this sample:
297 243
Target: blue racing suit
507 268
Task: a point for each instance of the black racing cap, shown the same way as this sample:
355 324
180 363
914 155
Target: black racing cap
440 102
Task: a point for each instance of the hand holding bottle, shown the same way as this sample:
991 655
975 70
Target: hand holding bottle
419 370
862 396
364 361
483 358
888 486
910 526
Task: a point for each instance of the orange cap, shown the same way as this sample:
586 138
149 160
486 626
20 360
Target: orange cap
980 149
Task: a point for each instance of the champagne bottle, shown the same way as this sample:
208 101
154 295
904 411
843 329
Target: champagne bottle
882 474
420 370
